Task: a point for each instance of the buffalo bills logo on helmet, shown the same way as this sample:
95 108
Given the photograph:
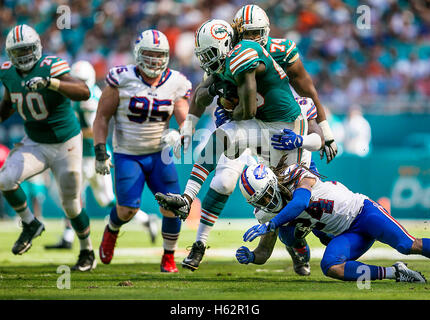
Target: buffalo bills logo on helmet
260 172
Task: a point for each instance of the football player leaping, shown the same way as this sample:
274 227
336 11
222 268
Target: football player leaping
264 93
101 185
39 88
141 98
285 53
295 197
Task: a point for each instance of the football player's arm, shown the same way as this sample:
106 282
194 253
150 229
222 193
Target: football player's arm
6 109
300 201
180 110
107 107
265 247
302 82
314 140
202 97
247 92
72 88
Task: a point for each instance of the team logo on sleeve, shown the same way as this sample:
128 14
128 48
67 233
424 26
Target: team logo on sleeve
260 172
219 32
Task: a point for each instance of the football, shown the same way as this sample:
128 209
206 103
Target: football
229 103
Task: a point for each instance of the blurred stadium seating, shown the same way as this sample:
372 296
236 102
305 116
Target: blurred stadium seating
384 69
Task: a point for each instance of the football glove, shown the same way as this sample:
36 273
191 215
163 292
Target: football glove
103 163
221 116
38 83
258 230
244 255
171 138
289 140
330 146
186 133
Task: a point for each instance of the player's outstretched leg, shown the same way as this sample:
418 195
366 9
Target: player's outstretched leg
212 206
31 227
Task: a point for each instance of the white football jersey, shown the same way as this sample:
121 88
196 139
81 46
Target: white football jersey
144 112
332 208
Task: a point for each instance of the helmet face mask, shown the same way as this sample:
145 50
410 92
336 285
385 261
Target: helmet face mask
23 47
151 53
259 185
214 40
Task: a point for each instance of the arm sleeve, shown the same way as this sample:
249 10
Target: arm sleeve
246 59
112 78
59 67
292 210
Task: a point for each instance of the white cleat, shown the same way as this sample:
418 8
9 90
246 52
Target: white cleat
404 274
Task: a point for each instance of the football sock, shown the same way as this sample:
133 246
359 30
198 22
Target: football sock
18 201
115 222
170 228
352 272
81 225
212 206
26 215
426 247
205 164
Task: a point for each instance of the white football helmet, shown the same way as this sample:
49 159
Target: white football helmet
23 47
214 39
259 186
250 18
83 70
153 41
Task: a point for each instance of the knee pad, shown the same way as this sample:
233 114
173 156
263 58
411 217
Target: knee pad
70 193
224 181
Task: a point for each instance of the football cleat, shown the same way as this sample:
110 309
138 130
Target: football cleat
29 232
152 227
195 256
62 244
176 203
300 261
404 274
168 263
107 246
86 261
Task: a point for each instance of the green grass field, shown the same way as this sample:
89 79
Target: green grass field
134 272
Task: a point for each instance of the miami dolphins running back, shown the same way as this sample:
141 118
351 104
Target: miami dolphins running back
40 88
266 106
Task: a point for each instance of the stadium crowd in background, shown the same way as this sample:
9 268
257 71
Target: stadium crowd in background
387 62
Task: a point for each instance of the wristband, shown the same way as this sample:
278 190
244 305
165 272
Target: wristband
189 124
100 151
54 84
328 135
311 142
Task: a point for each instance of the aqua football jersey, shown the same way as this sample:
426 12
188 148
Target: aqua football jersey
48 115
